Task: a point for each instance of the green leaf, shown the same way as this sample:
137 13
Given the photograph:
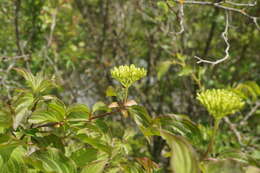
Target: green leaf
5 118
162 68
140 115
184 158
100 106
56 112
95 142
181 57
102 126
20 117
179 124
38 84
114 170
6 150
79 108
43 85
187 70
163 6
53 160
224 166
15 162
4 138
22 109
26 75
248 90
240 156
83 156
95 167
110 91
50 140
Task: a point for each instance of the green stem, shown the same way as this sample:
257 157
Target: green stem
212 140
126 95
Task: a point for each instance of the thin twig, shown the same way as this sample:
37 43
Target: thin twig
9 58
53 24
218 5
241 4
181 16
253 110
235 131
225 37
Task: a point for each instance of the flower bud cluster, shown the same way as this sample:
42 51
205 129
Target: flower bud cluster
220 102
127 75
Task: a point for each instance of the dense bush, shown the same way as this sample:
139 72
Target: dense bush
40 133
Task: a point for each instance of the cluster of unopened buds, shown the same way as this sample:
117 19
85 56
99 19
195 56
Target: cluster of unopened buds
220 102
127 75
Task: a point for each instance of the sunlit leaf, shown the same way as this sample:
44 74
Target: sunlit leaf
54 161
248 89
55 112
179 124
83 156
95 142
5 118
6 150
163 6
140 115
12 161
22 109
224 166
95 167
100 106
38 84
184 158
80 109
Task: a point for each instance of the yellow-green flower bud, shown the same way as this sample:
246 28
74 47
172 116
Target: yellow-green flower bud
127 75
220 102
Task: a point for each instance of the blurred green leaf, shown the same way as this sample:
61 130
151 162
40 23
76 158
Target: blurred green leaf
95 167
11 160
55 112
224 166
184 158
78 108
252 169
53 160
181 57
185 71
38 84
248 90
6 150
163 6
110 91
83 156
5 118
95 142
140 115
162 68
179 124
100 106
22 109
